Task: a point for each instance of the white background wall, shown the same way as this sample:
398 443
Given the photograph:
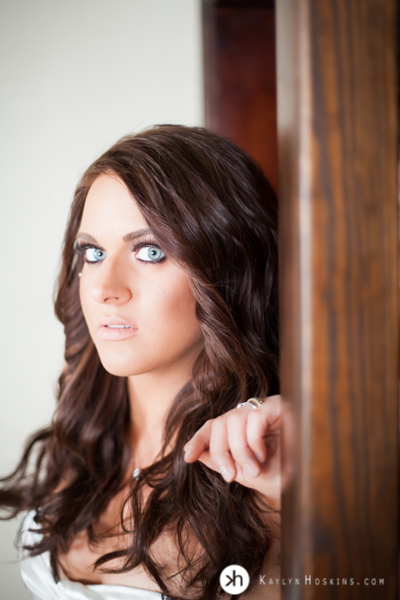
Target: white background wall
74 77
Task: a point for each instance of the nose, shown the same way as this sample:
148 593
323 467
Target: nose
110 286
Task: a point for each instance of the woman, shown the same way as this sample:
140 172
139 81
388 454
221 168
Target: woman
156 472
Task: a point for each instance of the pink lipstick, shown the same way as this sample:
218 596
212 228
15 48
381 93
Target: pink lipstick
115 329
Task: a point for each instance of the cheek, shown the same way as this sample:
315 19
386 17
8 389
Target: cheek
172 314
85 305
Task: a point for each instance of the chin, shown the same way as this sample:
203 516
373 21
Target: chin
119 368
121 365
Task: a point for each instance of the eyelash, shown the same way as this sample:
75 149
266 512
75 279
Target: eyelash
81 247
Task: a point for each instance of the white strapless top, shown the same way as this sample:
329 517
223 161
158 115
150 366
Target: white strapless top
37 576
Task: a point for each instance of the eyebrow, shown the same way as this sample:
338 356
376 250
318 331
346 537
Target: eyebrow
135 234
129 237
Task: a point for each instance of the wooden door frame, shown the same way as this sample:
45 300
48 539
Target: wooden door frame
339 301
338 143
338 219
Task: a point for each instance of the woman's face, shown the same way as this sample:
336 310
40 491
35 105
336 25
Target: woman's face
137 302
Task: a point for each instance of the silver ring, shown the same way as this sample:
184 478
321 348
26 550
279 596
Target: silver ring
254 403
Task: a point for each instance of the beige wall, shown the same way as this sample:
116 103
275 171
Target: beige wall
75 76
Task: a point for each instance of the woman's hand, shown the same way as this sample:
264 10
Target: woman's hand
244 446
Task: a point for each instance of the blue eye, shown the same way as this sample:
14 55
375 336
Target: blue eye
93 255
150 254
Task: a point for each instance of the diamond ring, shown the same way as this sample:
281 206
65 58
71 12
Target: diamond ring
254 402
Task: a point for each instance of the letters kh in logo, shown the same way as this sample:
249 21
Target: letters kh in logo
234 579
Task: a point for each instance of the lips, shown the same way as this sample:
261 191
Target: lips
115 328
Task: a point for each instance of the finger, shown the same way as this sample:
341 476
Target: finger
261 423
272 407
256 427
199 442
219 450
237 438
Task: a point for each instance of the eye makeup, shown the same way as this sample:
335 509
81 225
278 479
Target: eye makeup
146 241
81 246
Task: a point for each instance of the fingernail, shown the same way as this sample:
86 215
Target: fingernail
251 470
227 473
259 457
188 453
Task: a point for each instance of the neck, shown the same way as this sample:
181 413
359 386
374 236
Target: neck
151 396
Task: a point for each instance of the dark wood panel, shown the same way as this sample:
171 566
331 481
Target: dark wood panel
339 294
240 77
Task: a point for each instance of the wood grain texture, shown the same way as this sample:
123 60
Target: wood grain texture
240 77
339 294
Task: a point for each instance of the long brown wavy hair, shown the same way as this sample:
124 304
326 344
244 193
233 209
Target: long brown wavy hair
213 212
